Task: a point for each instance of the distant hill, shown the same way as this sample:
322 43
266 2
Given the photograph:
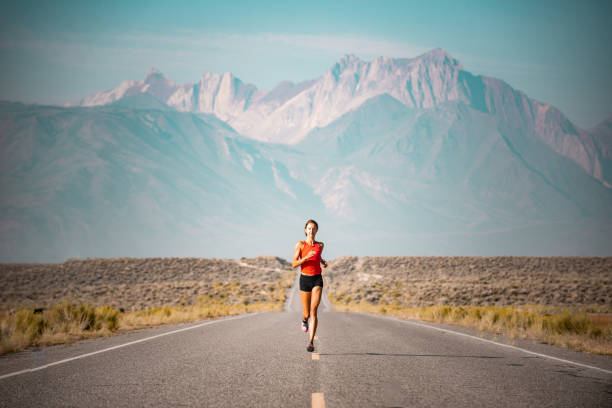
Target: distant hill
392 157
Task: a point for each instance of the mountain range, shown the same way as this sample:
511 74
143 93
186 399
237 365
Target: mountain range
391 156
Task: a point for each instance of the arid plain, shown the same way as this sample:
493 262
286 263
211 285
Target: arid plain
558 300
139 283
478 281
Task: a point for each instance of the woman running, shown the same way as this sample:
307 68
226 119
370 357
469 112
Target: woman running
307 254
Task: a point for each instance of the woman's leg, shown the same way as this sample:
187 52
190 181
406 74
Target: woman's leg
305 296
314 305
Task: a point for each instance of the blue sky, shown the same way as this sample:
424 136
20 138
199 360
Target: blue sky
557 52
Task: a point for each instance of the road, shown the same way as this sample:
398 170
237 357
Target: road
260 360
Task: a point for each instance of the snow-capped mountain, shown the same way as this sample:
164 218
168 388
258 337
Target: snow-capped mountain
391 156
154 84
289 112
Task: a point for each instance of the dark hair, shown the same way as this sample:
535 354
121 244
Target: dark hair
308 222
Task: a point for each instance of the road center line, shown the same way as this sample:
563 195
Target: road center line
29 370
492 342
317 400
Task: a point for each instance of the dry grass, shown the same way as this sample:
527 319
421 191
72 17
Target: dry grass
65 323
570 327
565 301
265 281
183 314
60 324
574 294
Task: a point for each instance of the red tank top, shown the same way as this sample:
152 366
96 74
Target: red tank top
313 265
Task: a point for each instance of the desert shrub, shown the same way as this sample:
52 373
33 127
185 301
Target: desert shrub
567 323
108 317
65 317
441 312
25 327
166 311
28 323
458 313
474 313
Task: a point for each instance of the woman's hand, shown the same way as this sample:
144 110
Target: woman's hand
324 263
310 254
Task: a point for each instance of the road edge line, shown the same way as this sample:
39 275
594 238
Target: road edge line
29 370
489 341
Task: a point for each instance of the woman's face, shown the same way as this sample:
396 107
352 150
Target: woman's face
311 230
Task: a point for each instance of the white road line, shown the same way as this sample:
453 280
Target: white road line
317 400
29 370
492 342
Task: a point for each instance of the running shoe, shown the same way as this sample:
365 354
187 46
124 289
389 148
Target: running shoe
310 347
305 326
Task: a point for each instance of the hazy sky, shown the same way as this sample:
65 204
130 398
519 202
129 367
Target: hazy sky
557 52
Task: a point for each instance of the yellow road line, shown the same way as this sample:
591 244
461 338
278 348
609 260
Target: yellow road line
317 400
315 356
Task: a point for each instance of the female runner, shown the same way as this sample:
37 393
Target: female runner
307 254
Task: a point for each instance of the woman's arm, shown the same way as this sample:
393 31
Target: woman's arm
296 255
323 262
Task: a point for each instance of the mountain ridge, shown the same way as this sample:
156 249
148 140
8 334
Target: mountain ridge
417 153
121 181
289 112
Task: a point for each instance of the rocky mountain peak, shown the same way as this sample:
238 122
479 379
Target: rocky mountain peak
440 58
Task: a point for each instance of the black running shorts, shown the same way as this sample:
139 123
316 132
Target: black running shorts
307 282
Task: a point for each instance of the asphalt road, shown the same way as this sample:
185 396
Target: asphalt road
260 360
